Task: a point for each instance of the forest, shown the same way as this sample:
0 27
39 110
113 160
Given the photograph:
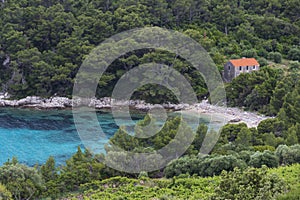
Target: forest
44 42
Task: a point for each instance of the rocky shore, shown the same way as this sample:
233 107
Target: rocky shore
63 102
232 115
37 102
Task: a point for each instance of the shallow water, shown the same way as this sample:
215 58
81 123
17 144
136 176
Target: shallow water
34 135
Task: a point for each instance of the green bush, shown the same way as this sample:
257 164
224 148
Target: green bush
288 155
267 158
272 125
262 62
230 132
4 193
275 56
251 184
294 54
291 175
22 181
251 53
184 165
209 166
262 148
294 65
215 165
293 195
245 156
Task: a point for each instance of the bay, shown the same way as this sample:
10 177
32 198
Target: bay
34 135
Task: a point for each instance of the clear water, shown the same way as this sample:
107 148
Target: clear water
34 135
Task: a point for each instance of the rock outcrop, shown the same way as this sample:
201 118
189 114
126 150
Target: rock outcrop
63 102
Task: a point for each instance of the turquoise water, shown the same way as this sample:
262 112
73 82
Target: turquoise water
34 135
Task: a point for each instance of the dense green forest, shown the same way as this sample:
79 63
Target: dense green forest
43 43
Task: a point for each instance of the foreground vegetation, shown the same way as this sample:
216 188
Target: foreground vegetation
251 183
231 167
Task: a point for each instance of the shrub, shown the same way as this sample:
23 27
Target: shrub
251 53
262 62
291 175
271 125
267 158
22 181
4 193
294 54
184 165
293 195
215 165
249 184
262 148
230 132
245 156
262 52
209 166
269 139
288 155
143 175
275 56
244 138
294 65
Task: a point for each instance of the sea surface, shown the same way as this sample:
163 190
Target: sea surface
34 135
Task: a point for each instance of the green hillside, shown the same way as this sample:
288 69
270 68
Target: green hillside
43 43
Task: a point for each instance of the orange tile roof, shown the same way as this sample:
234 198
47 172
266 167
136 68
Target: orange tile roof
244 62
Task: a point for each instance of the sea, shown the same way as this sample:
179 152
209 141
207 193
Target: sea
32 135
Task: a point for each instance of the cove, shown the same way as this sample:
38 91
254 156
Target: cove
34 135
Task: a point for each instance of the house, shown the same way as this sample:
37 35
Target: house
235 67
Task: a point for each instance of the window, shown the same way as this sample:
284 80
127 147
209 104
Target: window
240 68
254 67
229 67
247 67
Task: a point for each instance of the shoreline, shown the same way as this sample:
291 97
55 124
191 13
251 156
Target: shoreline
233 115
229 114
36 102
